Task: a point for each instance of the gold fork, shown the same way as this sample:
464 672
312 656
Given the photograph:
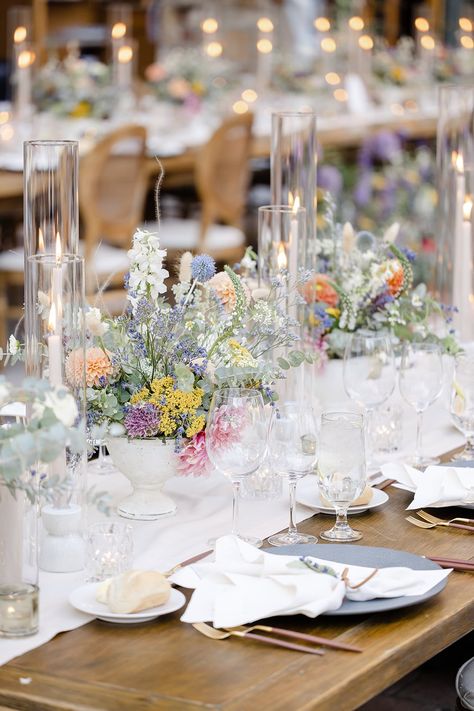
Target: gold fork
214 633
434 519
425 524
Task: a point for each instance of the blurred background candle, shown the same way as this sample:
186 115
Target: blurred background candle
264 52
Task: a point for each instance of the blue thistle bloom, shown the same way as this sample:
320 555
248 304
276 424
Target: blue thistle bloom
203 268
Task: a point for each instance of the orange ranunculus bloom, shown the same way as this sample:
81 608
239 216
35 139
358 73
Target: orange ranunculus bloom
395 277
319 289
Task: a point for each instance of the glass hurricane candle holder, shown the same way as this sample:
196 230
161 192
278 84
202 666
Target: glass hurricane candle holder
55 351
293 169
109 550
50 203
455 158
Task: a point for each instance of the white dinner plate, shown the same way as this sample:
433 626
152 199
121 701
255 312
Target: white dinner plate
83 599
311 498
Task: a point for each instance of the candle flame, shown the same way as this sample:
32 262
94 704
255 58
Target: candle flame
366 42
59 251
427 42
295 203
25 59
52 318
422 24
119 30
356 23
458 162
281 258
125 54
40 240
467 42
209 25
20 34
465 24
322 24
467 208
264 46
328 44
214 49
264 24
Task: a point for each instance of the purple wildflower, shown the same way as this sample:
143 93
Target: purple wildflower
142 420
330 179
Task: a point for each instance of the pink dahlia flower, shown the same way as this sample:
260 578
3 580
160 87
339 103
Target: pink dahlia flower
193 459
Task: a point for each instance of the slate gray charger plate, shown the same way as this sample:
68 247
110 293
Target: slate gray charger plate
370 557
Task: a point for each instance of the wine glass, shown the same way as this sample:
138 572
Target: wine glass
341 468
292 453
462 403
421 383
236 440
101 465
369 373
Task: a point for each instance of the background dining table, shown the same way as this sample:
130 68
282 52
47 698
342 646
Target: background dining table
168 665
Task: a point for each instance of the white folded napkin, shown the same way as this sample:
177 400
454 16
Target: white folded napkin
245 584
436 486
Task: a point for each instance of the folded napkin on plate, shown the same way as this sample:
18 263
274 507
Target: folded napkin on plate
436 486
245 584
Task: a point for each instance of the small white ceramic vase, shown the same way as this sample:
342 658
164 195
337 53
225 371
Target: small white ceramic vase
62 548
147 464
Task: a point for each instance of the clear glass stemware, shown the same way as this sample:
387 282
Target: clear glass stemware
236 440
293 453
341 468
369 375
421 383
462 403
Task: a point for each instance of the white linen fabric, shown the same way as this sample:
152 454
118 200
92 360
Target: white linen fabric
437 486
245 584
204 512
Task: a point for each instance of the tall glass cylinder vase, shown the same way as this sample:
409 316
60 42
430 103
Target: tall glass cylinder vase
459 267
455 156
55 352
281 256
21 58
50 202
293 170
50 209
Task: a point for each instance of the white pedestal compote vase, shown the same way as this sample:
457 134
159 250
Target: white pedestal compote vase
147 464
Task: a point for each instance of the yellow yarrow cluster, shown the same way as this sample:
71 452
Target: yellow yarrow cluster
174 405
239 354
140 396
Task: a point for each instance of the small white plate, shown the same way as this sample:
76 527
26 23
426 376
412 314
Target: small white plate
83 599
312 499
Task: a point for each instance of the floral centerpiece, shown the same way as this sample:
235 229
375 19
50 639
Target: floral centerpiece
75 87
151 372
187 77
366 281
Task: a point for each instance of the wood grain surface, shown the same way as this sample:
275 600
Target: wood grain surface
168 665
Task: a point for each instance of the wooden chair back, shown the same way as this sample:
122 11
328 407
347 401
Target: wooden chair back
112 188
222 173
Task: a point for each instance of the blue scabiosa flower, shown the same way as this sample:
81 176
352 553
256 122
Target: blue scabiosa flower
203 268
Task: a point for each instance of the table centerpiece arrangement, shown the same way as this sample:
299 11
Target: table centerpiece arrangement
365 281
152 371
75 88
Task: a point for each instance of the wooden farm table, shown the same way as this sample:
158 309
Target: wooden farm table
179 169
168 665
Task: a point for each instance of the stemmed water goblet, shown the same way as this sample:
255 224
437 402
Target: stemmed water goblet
462 403
100 465
341 468
236 440
292 454
369 375
421 383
